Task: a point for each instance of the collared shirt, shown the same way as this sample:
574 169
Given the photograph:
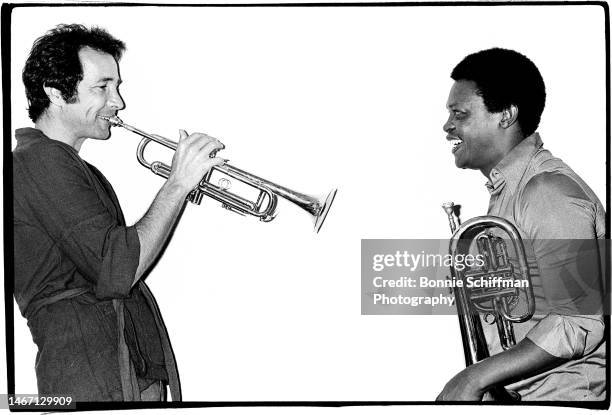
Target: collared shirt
553 209
70 237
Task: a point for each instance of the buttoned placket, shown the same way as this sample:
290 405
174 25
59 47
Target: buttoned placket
494 186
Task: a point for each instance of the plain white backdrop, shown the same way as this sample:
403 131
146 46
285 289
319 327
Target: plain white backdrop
314 98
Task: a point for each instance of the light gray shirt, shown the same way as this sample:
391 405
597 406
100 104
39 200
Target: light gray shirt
560 220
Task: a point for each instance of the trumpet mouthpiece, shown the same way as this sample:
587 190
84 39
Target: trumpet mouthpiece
114 120
448 206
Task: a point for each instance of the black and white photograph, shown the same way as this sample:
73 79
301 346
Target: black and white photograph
313 205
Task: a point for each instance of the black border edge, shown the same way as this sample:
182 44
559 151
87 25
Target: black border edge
369 3
7 170
5 53
606 9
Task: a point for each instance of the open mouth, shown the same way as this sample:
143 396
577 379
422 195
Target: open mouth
455 142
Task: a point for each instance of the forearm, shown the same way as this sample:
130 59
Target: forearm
191 161
524 360
156 225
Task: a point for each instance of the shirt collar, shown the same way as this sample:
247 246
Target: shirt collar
511 168
29 135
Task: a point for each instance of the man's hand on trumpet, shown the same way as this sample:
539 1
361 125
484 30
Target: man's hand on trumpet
193 158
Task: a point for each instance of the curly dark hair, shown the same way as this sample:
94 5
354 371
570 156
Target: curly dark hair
54 62
505 77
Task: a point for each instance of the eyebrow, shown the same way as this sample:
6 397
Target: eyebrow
457 106
109 79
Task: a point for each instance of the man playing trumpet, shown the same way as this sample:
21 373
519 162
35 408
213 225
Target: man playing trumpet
78 266
495 105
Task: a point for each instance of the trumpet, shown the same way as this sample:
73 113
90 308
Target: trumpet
496 301
264 207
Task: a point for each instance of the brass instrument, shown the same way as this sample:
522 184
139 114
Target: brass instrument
498 302
264 207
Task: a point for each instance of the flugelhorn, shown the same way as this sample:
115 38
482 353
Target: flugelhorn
264 207
498 299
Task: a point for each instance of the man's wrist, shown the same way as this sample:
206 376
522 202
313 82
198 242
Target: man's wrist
174 189
477 378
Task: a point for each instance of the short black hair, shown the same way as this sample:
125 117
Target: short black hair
503 78
54 62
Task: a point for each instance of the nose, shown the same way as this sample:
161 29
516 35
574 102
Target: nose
115 101
448 125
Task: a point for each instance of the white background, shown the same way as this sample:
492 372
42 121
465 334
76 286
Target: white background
315 98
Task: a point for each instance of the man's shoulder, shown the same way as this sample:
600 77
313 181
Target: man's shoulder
38 161
553 184
562 194
37 150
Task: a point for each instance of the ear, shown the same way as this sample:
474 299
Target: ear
509 116
54 95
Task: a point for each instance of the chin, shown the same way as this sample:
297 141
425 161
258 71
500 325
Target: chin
460 163
101 135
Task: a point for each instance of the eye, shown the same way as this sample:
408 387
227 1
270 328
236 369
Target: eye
459 114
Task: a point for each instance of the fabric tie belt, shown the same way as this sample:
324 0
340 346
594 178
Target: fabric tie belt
127 374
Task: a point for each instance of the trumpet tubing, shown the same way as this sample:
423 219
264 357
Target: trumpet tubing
264 207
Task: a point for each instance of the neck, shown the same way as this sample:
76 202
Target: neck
507 142
486 171
53 128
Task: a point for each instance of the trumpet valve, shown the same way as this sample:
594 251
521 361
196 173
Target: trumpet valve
195 196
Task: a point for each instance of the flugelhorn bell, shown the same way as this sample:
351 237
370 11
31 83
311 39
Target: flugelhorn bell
264 207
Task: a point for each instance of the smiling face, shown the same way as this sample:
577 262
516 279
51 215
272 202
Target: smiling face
97 95
474 131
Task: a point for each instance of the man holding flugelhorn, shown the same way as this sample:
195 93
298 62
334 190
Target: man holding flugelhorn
495 105
78 266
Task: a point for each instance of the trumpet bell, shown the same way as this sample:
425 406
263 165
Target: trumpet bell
320 217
